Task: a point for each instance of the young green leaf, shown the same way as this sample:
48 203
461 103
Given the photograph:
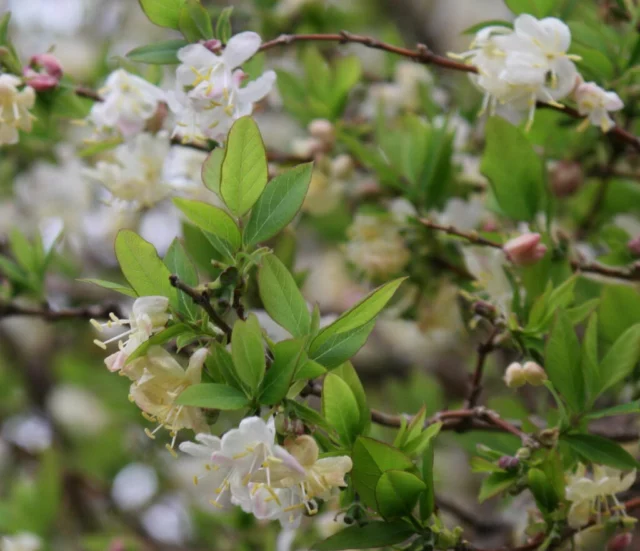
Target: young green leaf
142 267
562 362
222 360
589 358
179 263
289 357
428 497
247 351
279 203
244 168
600 451
619 309
117 287
164 13
281 298
373 534
340 408
159 338
349 375
213 396
212 170
542 490
621 358
341 347
397 493
496 483
160 53
200 18
538 8
623 409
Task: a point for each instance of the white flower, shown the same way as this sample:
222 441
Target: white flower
596 103
77 410
376 246
209 96
136 174
328 182
14 109
128 103
487 265
464 215
24 541
591 495
149 315
158 380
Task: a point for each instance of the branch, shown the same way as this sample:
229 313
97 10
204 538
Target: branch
630 273
422 54
201 298
47 313
484 349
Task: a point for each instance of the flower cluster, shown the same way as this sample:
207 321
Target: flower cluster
248 468
14 108
531 63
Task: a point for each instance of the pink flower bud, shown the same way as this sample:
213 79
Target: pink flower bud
620 542
50 63
566 178
514 376
634 246
507 462
525 249
534 374
213 45
39 81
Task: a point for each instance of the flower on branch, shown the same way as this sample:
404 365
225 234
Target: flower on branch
596 103
14 109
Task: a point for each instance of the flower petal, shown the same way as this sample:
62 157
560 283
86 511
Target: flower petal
240 48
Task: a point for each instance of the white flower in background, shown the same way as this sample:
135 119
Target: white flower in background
149 315
24 541
596 103
14 109
136 175
464 215
209 96
158 379
30 432
327 186
134 486
376 246
169 521
487 265
591 495
77 410
128 103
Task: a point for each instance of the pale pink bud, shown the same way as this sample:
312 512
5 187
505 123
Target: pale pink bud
514 376
566 178
525 249
620 542
39 81
323 130
534 374
507 462
50 63
213 45
239 76
634 246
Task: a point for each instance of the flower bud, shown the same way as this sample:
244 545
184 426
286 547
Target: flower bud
523 453
525 249
508 463
534 374
38 81
514 376
634 246
50 63
323 130
213 45
566 178
342 166
620 542
549 437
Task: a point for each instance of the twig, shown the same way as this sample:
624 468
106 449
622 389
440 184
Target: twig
47 313
201 298
484 349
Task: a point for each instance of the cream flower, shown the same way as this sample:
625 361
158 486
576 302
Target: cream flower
158 380
596 103
327 186
128 103
24 541
149 315
488 267
591 495
14 109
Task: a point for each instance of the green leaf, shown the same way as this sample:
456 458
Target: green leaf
213 396
309 416
370 536
513 168
188 26
542 490
281 297
159 338
247 351
417 445
201 19
214 221
428 497
212 170
117 287
244 168
278 204
340 409
589 358
358 316
164 13
622 409
619 309
179 263
621 358
223 362
600 451
473 29
370 459
349 375
397 493
142 267
160 53
289 357
562 362
341 347
496 483
223 25
539 8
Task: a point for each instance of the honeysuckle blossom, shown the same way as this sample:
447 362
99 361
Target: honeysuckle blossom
14 109
209 95
136 174
517 375
148 316
487 265
376 246
596 103
158 379
128 103
592 495
525 249
25 541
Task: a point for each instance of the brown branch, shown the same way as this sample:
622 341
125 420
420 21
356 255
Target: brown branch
484 349
88 93
201 298
47 313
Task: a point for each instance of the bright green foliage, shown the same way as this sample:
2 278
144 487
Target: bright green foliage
340 408
599 450
397 493
374 534
538 8
165 13
247 351
288 359
161 53
213 396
